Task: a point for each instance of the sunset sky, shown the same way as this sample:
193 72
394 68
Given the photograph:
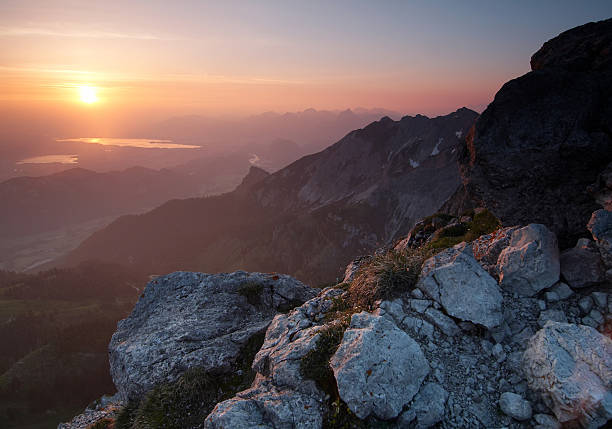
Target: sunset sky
216 58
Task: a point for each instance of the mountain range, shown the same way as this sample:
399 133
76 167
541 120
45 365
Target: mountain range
308 219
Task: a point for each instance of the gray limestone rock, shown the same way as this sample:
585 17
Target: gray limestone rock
465 290
428 405
186 320
531 262
515 406
571 367
378 367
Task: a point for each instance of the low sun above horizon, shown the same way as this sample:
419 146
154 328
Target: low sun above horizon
88 94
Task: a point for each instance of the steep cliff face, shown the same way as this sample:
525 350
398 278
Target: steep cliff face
547 135
308 219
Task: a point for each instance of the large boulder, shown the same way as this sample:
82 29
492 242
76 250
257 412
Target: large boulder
455 280
531 262
571 366
186 320
582 266
378 367
545 137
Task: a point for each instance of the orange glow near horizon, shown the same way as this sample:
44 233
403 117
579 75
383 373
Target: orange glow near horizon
138 61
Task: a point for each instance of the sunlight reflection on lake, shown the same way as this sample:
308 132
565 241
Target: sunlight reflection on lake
51 159
127 142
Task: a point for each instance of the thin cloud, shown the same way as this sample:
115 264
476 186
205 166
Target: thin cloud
36 31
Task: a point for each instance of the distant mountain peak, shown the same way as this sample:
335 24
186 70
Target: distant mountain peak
254 176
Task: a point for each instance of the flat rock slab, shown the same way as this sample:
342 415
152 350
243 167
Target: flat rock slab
186 320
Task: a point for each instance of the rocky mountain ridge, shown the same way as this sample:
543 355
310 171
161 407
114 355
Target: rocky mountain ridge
307 219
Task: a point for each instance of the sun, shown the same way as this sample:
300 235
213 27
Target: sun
88 94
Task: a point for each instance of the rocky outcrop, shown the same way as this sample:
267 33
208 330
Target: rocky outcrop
378 358
531 261
571 366
187 320
455 280
280 396
546 137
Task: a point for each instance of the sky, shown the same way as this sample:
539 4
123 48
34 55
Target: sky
164 58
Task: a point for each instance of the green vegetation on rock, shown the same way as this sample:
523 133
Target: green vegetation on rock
483 222
186 402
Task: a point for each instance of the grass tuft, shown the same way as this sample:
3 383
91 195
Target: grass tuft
385 276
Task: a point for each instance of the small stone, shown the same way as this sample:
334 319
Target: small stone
585 304
417 293
546 421
486 346
504 385
429 405
562 290
515 406
596 316
589 321
600 299
552 296
497 350
554 315
541 304
419 305
442 322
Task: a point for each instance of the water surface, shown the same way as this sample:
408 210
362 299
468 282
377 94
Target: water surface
128 142
51 159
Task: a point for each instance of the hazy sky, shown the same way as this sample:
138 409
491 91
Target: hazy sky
179 57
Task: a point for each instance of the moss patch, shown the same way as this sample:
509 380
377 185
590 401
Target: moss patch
315 366
189 400
482 223
252 292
